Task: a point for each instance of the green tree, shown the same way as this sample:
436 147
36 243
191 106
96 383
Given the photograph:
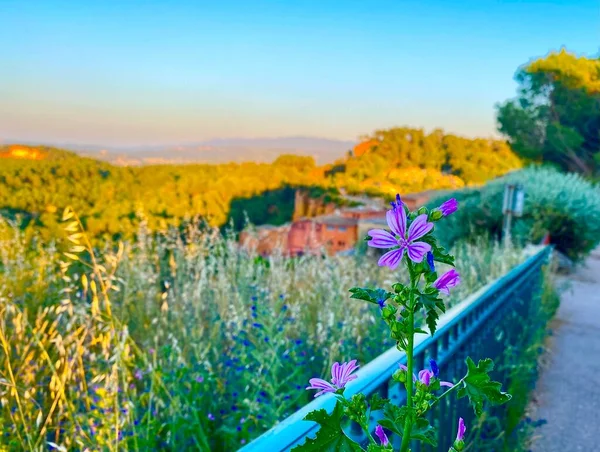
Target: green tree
556 115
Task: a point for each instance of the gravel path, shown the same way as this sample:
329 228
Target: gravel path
568 392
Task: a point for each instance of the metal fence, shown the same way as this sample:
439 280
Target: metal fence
484 325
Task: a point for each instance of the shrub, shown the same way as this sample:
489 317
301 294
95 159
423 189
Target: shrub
566 206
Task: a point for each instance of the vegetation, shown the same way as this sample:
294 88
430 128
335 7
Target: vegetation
511 429
566 206
36 184
391 159
177 341
556 116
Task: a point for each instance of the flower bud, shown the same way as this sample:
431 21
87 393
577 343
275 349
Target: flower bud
459 445
422 210
435 215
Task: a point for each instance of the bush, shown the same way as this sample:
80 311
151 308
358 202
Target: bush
566 206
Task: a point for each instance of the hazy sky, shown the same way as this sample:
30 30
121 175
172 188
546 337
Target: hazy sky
149 72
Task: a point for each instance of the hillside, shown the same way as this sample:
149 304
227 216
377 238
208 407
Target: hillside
26 152
260 150
38 182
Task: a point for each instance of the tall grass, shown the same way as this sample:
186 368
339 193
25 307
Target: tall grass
179 340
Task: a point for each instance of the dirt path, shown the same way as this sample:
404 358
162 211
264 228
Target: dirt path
568 392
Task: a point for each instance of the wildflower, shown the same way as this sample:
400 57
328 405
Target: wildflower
211 417
340 376
434 367
398 202
426 375
448 207
400 239
462 429
448 280
382 436
199 379
430 261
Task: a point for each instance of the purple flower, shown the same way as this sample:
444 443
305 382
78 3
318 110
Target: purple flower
398 202
400 239
200 379
426 375
382 436
434 367
448 280
340 376
448 207
462 429
211 417
430 261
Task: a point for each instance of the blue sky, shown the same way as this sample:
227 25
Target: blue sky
150 72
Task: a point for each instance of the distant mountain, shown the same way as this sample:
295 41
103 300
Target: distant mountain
263 150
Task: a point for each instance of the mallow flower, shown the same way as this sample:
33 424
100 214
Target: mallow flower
340 376
426 375
430 261
448 280
462 429
400 239
382 436
448 207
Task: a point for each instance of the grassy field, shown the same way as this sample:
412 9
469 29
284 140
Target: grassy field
179 340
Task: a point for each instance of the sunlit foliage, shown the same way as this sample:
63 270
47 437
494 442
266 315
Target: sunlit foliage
556 116
36 183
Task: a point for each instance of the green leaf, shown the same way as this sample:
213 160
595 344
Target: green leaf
330 437
478 386
394 418
370 295
377 402
432 303
377 448
432 319
440 255
423 431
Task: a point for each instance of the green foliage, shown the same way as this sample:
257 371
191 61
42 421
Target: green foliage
37 183
564 205
376 296
330 437
424 432
479 388
556 116
511 430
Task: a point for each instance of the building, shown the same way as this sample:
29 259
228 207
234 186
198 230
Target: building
266 239
331 233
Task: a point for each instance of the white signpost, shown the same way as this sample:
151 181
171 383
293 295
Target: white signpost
514 200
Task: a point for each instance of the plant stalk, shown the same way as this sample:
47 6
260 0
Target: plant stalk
409 360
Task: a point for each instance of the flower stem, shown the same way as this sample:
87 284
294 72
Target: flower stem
446 393
409 384
409 360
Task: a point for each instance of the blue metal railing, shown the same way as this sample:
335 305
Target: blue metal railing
481 326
